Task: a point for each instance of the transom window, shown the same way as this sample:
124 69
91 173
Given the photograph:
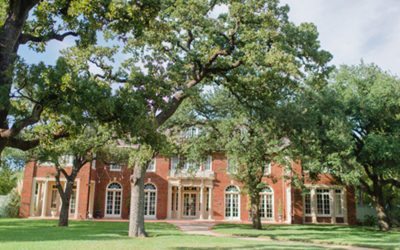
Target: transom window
232 203
115 167
150 192
113 199
267 205
323 202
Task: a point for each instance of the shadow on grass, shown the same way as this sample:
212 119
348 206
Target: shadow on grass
332 234
47 230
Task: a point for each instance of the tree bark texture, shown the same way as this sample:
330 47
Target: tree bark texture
255 211
136 217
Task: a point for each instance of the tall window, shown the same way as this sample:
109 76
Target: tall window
150 200
113 199
339 202
72 204
232 202
307 202
323 202
54 197
267 205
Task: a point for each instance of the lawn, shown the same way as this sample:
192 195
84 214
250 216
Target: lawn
44 234
340 235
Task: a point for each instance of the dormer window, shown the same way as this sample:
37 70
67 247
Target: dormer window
115 167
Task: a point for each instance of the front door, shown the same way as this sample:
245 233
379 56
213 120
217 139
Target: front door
189 204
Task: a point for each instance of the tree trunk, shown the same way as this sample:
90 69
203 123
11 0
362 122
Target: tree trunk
64 213
383 219
136 217
255 212
65 198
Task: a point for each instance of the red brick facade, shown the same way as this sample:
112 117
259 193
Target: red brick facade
202 195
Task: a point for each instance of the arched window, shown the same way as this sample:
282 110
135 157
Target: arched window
150 193
113 199
232 202
267 203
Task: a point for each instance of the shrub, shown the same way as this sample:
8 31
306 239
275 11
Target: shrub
14 201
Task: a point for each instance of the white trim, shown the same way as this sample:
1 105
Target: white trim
105 201
155 202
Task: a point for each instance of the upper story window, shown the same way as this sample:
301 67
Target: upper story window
232 166
66 160
115 167
267 169
192 132
208 163
152 166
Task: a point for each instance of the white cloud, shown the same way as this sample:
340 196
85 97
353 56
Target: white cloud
354 30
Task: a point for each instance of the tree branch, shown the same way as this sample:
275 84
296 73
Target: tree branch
19 125
29 144
25 38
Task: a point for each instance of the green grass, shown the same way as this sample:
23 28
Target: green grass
340 235
44 234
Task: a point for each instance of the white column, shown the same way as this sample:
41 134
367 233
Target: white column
169 203
313 205
332 201
179 216
33 199
344 204
44 201
210 204
91 199
201 202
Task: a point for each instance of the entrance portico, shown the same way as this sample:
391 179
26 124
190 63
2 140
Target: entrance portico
190 199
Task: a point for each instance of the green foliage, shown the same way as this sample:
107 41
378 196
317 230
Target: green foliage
14 201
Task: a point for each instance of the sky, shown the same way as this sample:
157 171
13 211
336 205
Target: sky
351 30
354 30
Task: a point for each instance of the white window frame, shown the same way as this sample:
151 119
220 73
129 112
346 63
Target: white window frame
153 166
263 194
146 203
326 192
231 193
113 199
67 160
114 167
268 169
